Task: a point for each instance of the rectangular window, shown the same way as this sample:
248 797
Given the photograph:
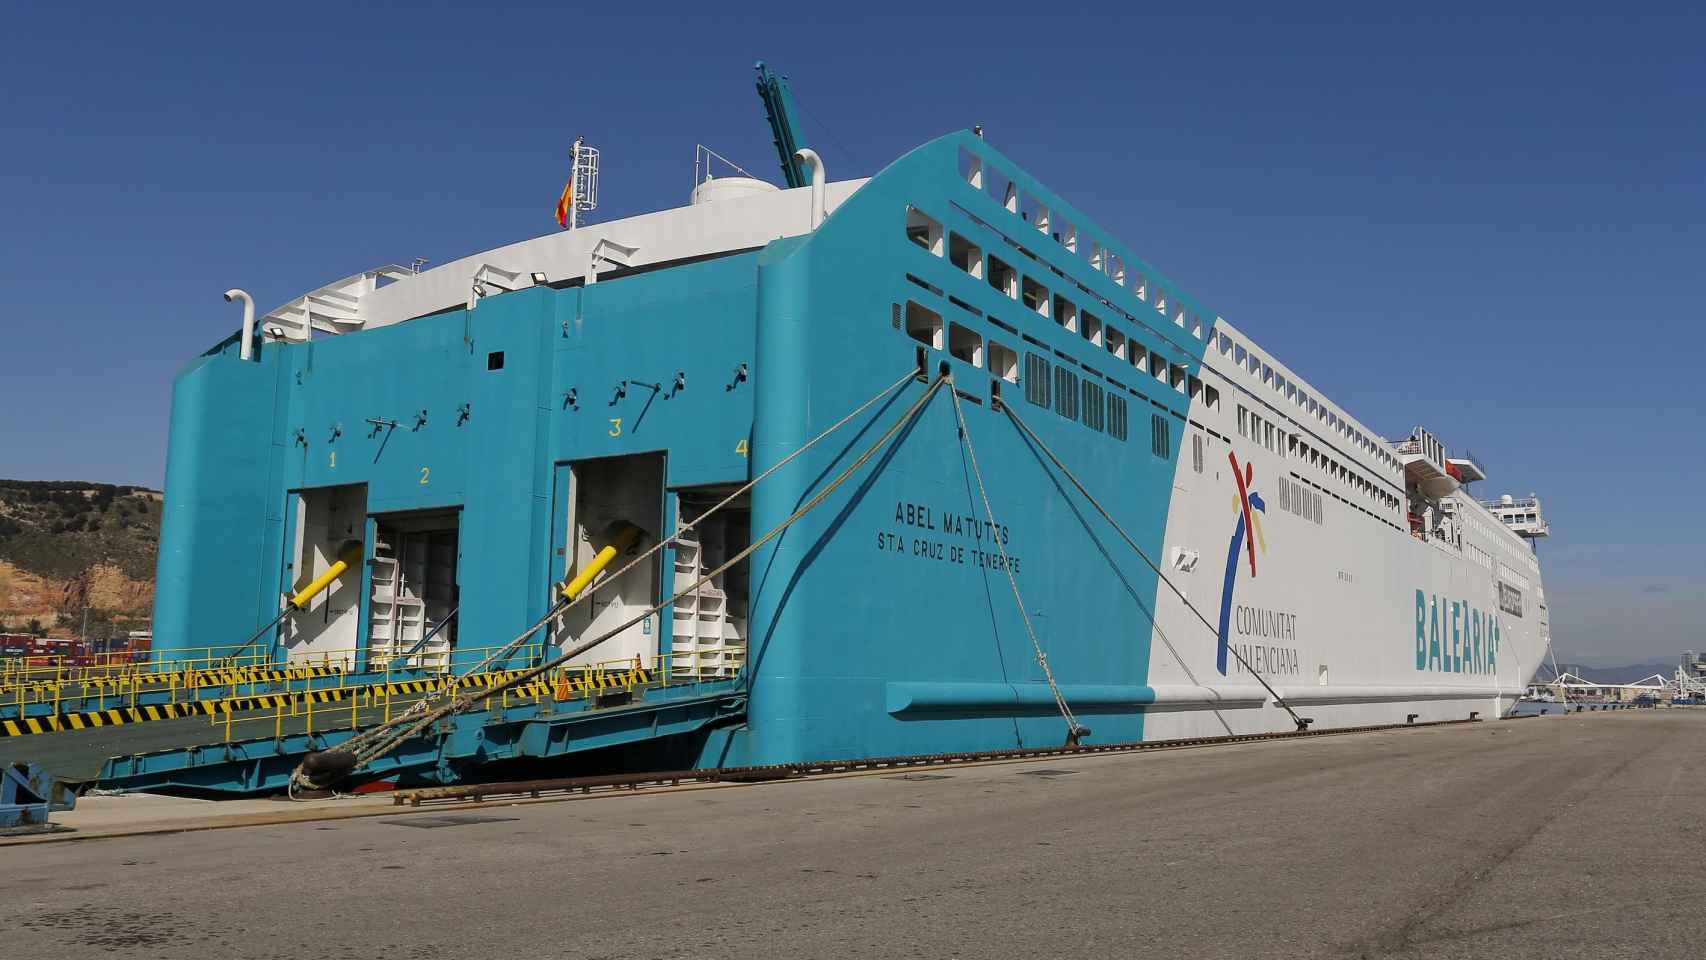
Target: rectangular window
1066 393
924 325
1092 406
1211 398
1034 295
966 255
965 344
1065 313
1160 436
1003 277
1001 189
971 168
1003 362
1065 233
1115 341
1092 328
1196 452
1032 211
1117 417
924 230
1036 379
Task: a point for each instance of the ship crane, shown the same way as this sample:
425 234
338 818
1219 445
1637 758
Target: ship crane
779 111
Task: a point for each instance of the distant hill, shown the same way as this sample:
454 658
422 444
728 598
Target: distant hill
67 544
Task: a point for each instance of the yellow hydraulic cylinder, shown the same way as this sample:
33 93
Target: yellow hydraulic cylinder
350 556
622 537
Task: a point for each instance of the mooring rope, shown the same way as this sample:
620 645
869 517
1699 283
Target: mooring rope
1279 701
1074 730
365 748
563 604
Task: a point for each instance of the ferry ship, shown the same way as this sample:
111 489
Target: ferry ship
983 478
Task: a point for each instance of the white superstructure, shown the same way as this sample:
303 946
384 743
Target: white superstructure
1372 576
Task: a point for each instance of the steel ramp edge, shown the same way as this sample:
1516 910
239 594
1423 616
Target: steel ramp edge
88 703
440 755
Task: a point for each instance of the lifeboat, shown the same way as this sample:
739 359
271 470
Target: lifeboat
1434 481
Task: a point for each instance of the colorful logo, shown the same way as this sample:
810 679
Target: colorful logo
1247 505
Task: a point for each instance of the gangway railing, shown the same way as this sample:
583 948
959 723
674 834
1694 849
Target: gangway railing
346 701
589 682
202 677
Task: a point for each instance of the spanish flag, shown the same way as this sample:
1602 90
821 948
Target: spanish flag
563 203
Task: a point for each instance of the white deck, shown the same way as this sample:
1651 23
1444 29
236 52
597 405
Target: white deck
390 294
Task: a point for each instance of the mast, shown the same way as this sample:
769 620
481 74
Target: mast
779 110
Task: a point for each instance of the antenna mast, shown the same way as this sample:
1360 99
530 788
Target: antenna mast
584 178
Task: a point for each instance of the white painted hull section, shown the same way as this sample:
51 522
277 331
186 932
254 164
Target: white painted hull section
1343 593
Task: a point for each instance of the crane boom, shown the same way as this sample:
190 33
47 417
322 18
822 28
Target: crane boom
779 110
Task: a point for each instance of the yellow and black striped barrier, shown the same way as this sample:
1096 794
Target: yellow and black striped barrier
189 679
569 686
566 686
224 677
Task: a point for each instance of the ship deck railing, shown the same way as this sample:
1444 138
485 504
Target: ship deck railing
47 686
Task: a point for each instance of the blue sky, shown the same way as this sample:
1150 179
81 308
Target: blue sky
1487 223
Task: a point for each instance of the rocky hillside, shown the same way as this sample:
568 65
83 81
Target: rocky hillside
62 542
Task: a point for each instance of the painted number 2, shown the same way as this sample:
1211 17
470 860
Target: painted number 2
425 472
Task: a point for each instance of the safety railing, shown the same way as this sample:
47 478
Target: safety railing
351 708
201 677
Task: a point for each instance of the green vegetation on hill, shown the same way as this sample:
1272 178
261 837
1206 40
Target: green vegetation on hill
59 529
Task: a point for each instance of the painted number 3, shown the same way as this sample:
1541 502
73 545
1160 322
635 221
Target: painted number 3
616 426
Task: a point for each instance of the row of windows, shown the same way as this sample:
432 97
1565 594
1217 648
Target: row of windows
965 254
1076 398
964 343
1297 396
979 175
1296 498
1035 296
1265 433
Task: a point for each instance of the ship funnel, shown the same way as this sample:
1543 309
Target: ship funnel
809 157
245 350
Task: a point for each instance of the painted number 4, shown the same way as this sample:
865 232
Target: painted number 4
740 448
